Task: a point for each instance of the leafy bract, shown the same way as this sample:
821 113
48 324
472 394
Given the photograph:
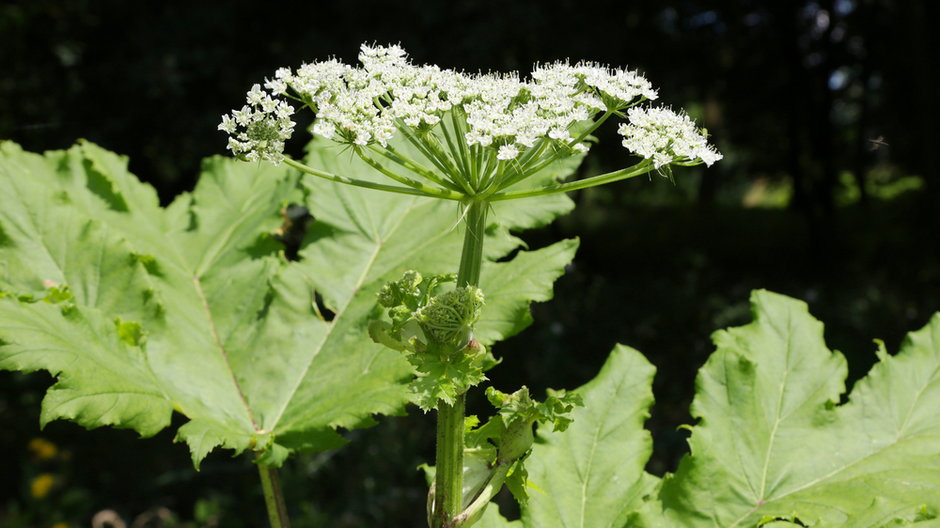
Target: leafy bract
772 448
194 308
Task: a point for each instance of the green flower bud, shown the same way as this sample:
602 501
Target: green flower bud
396 293
409 282
449 318
516 440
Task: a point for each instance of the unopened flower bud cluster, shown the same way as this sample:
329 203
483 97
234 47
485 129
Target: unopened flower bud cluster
504 114
449 317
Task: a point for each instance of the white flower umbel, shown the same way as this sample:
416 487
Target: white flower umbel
478 135
665 137
259 129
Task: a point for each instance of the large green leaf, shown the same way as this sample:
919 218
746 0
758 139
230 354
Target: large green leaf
198 278
231 336
117 388
592 474
773 443
773 447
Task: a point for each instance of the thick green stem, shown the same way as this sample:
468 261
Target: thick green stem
448 484
471 258
273 497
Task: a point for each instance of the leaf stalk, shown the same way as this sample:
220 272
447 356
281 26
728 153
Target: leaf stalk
273 497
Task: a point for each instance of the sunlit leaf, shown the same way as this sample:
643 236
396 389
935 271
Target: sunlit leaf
773 442
773 446
194 308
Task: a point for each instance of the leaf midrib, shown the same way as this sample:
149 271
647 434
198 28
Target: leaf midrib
778 418
898 440
622 384
213 330
341 310
209 257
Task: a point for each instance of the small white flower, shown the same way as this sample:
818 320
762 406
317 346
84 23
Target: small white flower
227 124
362 137
277 86
243 116
255 95
507 152
323 128
559 133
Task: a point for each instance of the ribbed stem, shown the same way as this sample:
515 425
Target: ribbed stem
448 484
471 258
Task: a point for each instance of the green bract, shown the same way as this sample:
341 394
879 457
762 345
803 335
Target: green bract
435 332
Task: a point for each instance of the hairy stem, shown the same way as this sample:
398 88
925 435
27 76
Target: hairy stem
448 485
273 497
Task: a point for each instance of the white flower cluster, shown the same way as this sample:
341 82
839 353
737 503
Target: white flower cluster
663 136
371 103
259 129
591 85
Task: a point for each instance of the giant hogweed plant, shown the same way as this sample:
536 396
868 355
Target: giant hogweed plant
141 311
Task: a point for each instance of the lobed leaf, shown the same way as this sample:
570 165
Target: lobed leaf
220 316
118 388
592 474
193 307
772 448
773 442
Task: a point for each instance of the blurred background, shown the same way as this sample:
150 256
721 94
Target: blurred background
825 111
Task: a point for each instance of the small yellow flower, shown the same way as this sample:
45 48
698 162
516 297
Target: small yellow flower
42 485
42 449
60 525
